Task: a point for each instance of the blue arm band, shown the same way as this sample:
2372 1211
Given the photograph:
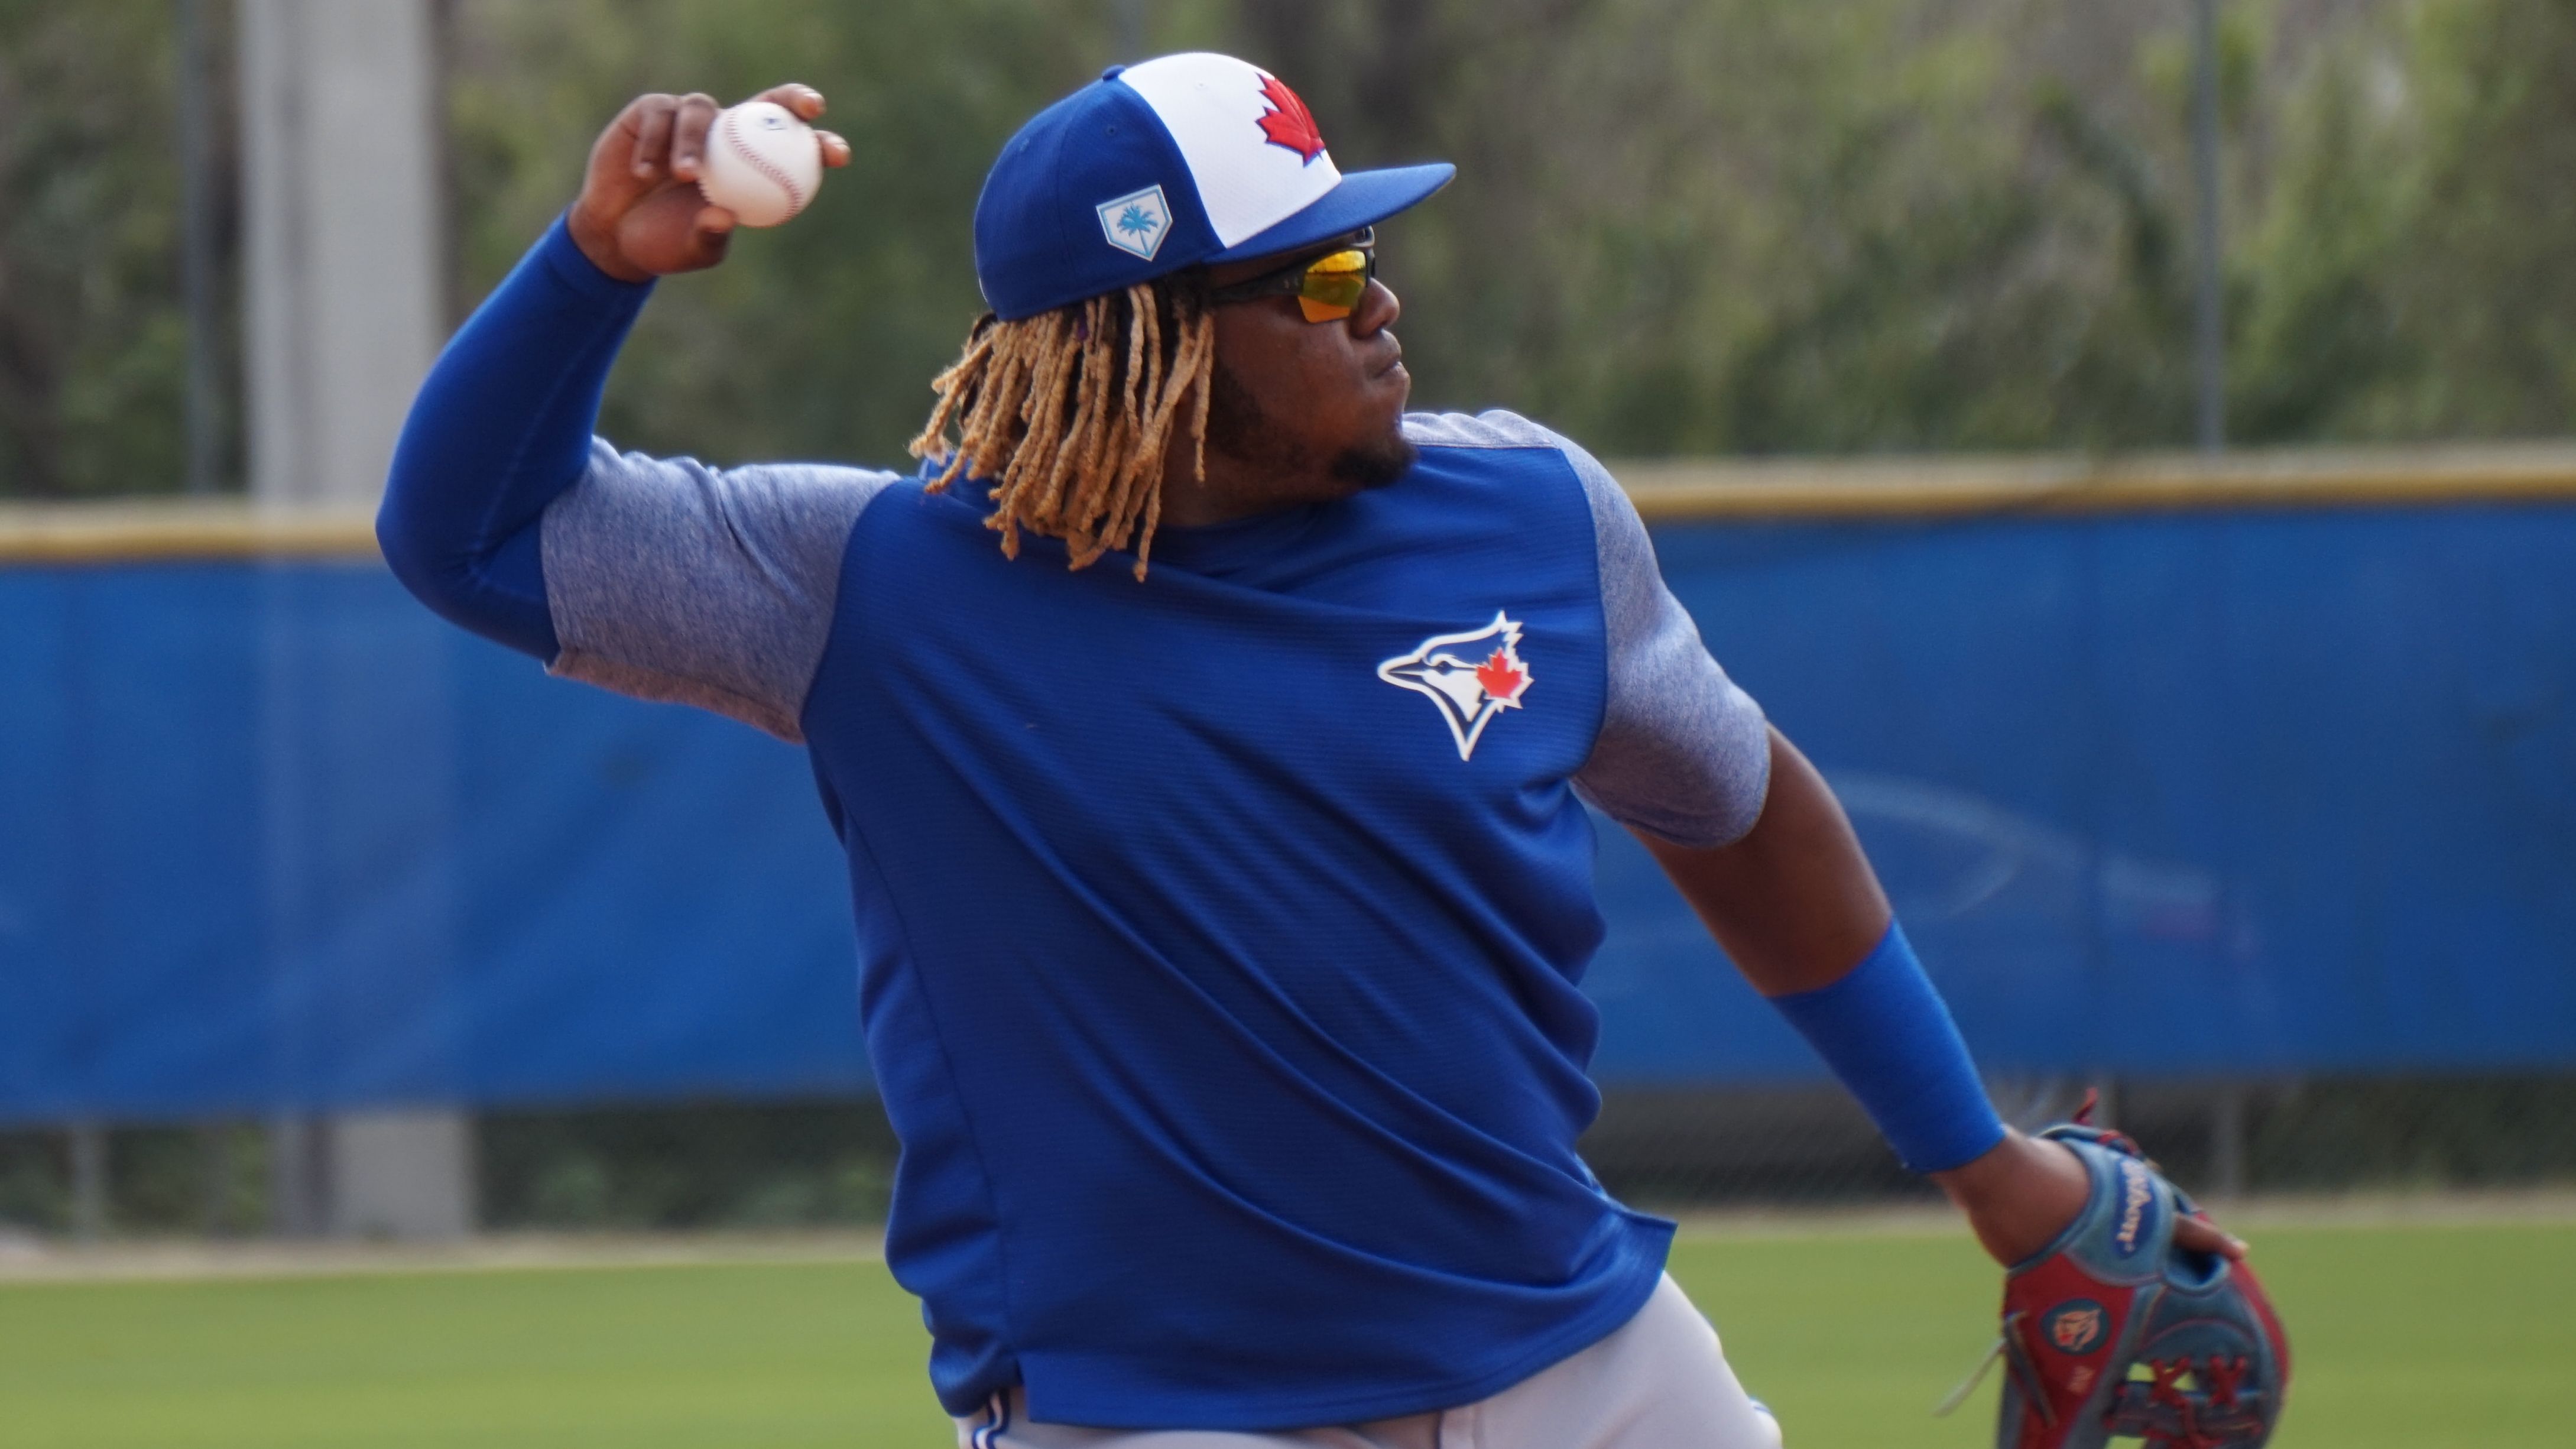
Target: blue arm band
1884 1031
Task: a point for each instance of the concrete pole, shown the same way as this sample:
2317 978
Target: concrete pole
344 257
402 1174
298 1197
342 238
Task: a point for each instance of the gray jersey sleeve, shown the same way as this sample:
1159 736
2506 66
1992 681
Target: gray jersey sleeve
670 580
1683 753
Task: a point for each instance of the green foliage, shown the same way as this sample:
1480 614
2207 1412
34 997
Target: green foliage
2471 1133
774 1165
2321 331
91 331
1679 225
159 1179
2478 275
35 1182
820 338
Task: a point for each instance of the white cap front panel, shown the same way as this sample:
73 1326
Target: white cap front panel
1250 145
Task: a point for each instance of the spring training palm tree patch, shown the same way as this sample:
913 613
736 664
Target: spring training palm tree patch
1137 222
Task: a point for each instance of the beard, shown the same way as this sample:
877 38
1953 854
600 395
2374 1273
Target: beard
1239 428
1377 464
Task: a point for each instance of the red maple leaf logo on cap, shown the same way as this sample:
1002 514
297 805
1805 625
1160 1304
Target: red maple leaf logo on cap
1287 122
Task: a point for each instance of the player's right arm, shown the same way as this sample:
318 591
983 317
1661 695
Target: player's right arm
662 578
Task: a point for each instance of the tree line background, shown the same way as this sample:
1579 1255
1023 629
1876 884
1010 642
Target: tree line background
1680 226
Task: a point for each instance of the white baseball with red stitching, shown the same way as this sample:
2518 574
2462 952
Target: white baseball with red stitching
763 164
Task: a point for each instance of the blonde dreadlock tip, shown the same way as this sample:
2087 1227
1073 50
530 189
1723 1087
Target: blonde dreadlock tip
1072 430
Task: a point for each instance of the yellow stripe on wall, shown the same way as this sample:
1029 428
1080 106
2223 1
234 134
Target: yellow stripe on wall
1677 490
1666 491
129 532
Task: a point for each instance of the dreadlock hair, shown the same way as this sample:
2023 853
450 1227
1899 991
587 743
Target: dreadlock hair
1070 414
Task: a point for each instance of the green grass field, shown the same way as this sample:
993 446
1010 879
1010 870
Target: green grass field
2408 1338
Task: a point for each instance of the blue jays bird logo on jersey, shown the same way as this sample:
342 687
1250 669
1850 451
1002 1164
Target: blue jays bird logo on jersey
1472 677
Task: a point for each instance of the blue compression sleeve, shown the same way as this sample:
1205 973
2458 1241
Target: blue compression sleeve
1884 1031
500 427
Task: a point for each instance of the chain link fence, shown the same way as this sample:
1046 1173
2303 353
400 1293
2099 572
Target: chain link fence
815 1164
1684 1149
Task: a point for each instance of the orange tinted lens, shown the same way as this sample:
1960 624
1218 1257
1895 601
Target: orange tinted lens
1333 286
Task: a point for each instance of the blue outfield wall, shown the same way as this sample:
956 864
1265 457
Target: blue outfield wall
2215 793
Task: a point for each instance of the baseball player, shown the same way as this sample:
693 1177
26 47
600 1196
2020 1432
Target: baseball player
1210 739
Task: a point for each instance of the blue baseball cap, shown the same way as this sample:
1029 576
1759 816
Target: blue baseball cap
1165 165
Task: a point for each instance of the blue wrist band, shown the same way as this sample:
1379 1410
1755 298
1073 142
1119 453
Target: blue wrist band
1883 1030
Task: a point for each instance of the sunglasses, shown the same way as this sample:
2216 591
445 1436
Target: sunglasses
1327 288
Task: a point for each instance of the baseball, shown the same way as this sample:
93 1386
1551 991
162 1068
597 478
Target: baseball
763 164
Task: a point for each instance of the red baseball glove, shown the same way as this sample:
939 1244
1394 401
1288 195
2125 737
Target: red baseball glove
2113 1331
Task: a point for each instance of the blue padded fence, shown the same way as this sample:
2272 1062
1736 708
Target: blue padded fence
2219 793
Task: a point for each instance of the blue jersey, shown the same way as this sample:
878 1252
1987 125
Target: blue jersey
1220 934
1248 974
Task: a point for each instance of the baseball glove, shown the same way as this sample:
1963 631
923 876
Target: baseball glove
2113 1331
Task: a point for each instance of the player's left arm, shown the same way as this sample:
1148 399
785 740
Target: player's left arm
1752 836
1799 910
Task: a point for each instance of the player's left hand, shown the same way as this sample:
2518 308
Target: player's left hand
2023 1193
